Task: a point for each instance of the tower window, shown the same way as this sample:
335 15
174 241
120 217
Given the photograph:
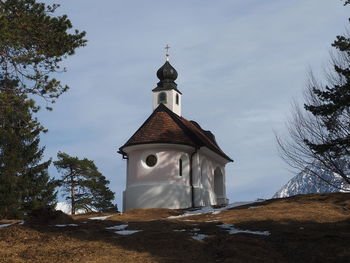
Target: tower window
177 99
180 167
162 98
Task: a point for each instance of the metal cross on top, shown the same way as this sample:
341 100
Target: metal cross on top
167 47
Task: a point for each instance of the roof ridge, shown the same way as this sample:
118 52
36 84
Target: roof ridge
179 123
199 138
203 136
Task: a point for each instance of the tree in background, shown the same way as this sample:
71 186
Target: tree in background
84 186
24 179
33 42
320 136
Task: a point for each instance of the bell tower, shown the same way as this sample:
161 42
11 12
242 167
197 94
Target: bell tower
166 91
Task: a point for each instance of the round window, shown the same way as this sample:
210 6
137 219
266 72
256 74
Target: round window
151 160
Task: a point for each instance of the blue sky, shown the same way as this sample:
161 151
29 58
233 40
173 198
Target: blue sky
240 64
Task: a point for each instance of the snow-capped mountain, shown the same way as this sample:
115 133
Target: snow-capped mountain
306 182
67 208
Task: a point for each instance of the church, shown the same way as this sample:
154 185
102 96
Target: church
172 162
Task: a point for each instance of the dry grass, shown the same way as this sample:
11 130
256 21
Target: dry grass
309 228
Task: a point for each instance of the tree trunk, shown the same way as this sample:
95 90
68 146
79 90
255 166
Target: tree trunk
73 196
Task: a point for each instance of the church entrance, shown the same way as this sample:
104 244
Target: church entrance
218 185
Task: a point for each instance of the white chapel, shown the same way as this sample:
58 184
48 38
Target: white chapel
171 161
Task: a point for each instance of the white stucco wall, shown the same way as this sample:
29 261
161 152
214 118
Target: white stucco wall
159 195
171 101
204 181
165 171
161 186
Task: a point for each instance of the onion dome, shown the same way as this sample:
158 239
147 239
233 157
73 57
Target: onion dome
167 72
167 75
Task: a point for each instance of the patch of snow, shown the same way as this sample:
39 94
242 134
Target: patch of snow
232 230
127 232
179 230
66 225
203 210
100 217
21 223
119 227
195 229
5 225
229 206
199 237
226 226
252 207
236 231
209 209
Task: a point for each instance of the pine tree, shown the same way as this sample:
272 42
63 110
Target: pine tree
103 196
33 42
84 186
24 179
333 108
319 134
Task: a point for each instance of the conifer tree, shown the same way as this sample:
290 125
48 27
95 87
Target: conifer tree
24 180
333 108
33 42
84 186
320 136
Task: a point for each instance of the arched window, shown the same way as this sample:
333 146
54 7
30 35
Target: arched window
162 98
180 167
218 183
177 99
183 166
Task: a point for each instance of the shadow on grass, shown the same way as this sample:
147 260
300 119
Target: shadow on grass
294 237
290 241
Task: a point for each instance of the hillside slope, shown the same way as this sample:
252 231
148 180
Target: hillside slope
305 228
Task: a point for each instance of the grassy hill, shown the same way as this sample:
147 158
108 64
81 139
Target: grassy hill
305 228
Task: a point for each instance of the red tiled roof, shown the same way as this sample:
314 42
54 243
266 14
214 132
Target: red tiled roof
164 126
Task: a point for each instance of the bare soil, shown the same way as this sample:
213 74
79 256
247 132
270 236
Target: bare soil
305 228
